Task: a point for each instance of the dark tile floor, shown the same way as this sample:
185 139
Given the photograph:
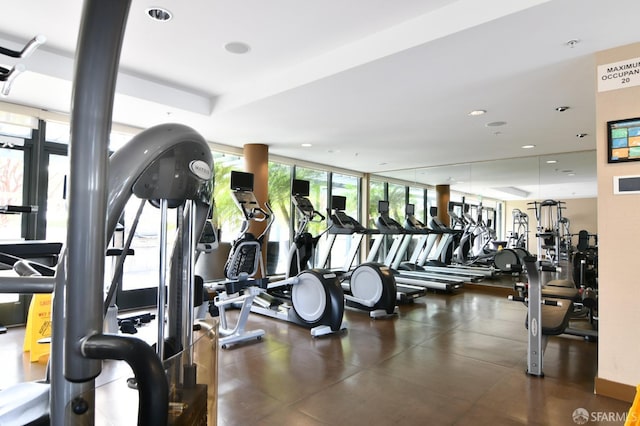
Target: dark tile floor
448 359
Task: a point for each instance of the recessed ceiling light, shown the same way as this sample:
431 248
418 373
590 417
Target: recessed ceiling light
306 145
581 135
551 161
528 146
496 124
571 174
572 43
159 14
562 108
477 112
237 47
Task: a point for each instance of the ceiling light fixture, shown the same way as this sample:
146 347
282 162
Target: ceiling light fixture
159 14
572 43
528 146
496 124
562 108
237 47
551 161
476 112
581 135
306 145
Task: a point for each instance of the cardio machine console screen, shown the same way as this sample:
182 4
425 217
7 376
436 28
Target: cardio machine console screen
624 140
241 181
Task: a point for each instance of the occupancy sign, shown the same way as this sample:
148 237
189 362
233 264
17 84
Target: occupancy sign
619 75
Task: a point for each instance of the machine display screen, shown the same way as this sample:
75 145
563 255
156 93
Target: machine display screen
300 187
241 181
624 140
410 209
338 202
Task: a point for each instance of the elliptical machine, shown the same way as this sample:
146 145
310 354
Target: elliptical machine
243 263
369 287
313 298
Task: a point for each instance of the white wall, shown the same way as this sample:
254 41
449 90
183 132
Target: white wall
618 217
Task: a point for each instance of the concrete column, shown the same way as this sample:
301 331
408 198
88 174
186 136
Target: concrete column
443 196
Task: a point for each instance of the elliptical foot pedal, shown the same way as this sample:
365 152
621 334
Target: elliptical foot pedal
323 330
381 313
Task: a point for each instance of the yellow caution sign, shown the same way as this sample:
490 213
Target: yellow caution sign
38 328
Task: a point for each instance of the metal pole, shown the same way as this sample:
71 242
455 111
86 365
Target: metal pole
97 59
162 278
535 350
186 263
188 282
99 44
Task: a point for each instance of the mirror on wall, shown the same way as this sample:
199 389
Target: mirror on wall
553 176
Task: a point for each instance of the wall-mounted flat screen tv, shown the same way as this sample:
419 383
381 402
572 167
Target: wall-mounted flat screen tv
624 140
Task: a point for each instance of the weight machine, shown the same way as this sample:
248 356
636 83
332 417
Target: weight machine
519 237
551 231
170 165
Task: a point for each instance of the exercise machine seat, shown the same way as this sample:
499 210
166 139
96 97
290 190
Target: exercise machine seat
561 293
555 319
560 283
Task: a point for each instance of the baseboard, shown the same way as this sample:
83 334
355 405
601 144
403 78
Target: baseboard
615 390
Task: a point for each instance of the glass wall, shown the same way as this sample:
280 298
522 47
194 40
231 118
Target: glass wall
416 197
280 201
431 202
20 180
397 201
377 192
348 187
57 209
11 191
226 215
318 194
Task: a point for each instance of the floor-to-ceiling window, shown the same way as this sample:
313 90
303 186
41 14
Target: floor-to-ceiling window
11 193
280 201
11 190
318 193
226 215
397 201
348 187
377 192
417 198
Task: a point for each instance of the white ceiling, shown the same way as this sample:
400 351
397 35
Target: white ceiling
375 86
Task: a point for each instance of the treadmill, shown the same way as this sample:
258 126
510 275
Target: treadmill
422 249
389 227
342 224
448 233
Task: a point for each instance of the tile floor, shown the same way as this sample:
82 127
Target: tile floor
456 359
447 359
